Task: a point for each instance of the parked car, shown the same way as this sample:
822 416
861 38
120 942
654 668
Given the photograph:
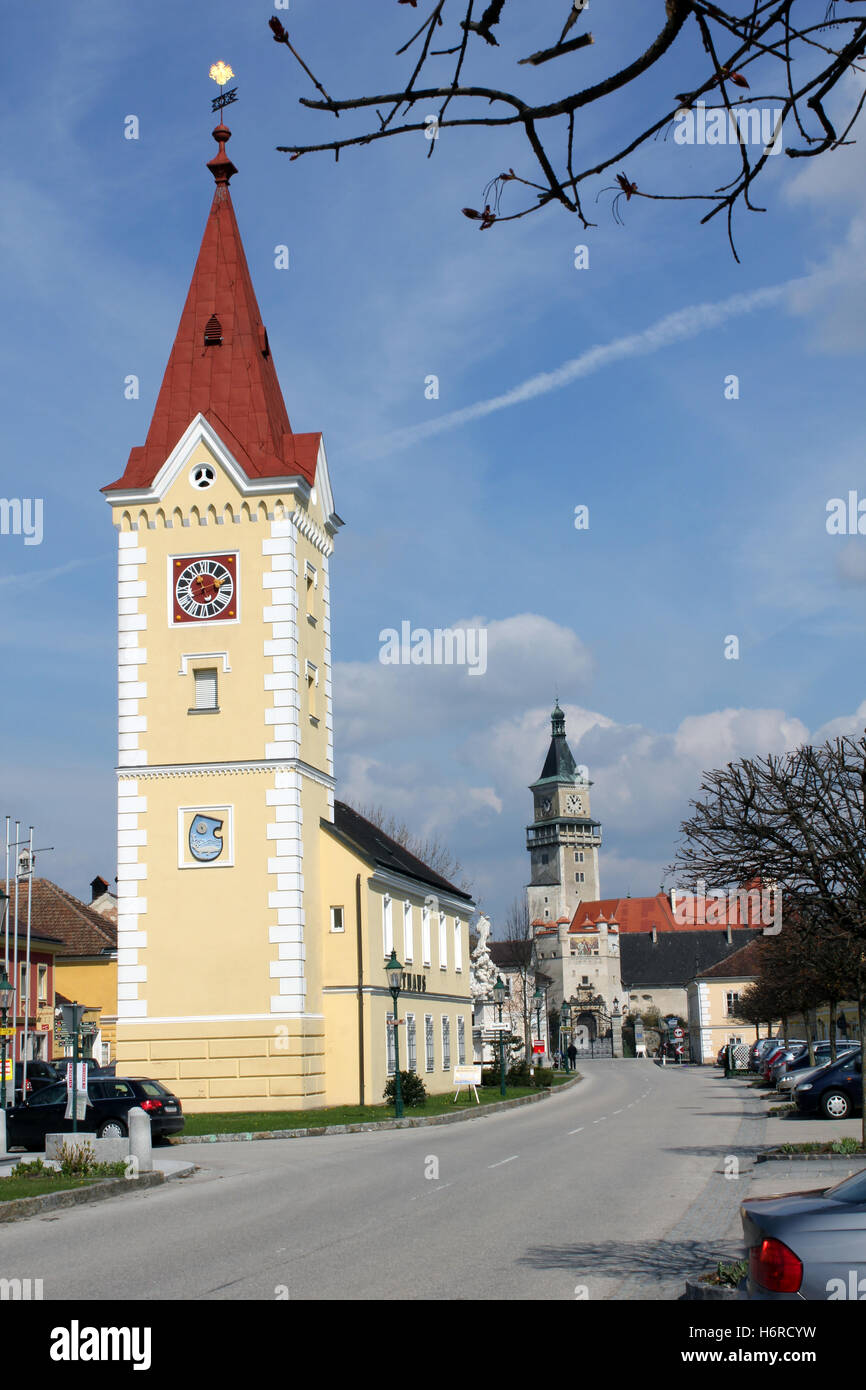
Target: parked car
799 1060
835 1091
770 1058
758 1049
39 1075
794 1078
109 1100
809 1245
94 1068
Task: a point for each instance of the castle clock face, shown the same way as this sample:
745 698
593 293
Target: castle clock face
205 589
573 805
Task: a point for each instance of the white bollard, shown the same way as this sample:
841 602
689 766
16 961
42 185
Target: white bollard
140 1144
3 1149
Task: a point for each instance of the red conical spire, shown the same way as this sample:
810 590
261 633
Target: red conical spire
220 364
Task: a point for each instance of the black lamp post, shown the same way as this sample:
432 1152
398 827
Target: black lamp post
538 1000
499 992
395 980
564 1032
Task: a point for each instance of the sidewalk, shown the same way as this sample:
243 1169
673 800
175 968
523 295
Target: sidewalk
162 1161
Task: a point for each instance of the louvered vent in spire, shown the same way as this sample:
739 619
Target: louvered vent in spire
213 332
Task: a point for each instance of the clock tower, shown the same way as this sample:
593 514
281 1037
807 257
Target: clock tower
563 840
225 525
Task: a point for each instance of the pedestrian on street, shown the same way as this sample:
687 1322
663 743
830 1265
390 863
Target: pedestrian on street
572 1054
556 1059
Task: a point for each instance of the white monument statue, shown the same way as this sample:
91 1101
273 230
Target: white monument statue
482 972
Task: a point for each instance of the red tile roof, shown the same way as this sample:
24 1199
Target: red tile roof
642 914
56 913
233 382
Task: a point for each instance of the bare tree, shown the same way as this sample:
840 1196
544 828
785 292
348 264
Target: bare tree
738 55
430 850
521 953
798 821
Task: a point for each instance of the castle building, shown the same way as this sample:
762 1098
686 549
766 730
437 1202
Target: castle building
233 881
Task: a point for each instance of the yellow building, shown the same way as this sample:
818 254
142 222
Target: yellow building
712 1003
227 867
381 899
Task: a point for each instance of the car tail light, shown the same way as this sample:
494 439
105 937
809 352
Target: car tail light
775 1267
151 1105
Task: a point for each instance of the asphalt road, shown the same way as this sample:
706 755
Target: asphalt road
612 1190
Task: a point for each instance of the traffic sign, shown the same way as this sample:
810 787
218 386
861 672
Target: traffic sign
8 1032
678 1032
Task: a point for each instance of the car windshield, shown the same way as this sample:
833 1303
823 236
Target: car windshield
851 1190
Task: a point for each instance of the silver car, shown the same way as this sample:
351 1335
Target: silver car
809 1245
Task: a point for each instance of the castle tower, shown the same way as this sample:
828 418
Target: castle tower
225 522
563 840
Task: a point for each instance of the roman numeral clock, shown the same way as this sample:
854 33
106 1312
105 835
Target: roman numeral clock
204 588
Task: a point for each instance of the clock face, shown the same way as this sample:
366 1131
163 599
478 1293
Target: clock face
573 804
205 589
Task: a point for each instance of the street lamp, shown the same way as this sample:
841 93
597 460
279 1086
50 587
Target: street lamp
395 980
565 1020
499 992
538 1000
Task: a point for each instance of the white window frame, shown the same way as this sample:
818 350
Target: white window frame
446 1042
429 1043
458 944
342 919
387 926
411 1044
426 951
408 933
461 1040
41 988
443 941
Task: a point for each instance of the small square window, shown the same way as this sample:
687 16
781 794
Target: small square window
337 919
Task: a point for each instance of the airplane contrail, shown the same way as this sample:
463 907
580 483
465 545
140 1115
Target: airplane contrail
673 328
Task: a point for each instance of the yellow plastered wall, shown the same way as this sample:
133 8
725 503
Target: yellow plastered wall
91 982
446 995
219 967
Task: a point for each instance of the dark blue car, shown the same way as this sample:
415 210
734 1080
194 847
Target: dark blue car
835 1091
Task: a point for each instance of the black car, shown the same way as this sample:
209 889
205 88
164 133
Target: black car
834 1091
109 1099
39 1075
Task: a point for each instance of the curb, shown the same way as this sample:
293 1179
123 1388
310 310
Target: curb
76 1196
777 1156
480 1112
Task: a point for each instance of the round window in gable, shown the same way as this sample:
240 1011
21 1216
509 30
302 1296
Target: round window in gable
202 476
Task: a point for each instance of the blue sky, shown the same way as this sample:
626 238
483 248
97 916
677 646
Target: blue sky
707 515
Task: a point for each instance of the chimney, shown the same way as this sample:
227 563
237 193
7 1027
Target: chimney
98 886
728 933
655 934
